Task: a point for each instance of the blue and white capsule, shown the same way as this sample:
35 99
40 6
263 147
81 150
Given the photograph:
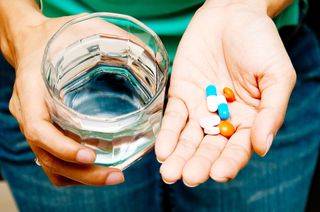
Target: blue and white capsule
223 109
212 101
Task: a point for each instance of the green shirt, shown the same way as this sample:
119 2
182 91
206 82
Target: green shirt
168 18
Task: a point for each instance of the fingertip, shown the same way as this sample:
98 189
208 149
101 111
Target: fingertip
268 144
263 133
159 160
114 178
194 174
222 172
221 179
171 171
190 185
168 182
86 156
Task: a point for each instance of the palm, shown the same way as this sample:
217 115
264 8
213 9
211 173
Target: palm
211 53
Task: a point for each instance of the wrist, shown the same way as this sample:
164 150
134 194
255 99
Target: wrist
268 7
274 7
17 18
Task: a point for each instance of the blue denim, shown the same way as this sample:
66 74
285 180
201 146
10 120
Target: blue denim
278 182
33 191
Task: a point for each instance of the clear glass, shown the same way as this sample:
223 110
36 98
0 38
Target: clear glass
106 75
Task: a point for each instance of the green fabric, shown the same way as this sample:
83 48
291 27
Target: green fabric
290 16
168 18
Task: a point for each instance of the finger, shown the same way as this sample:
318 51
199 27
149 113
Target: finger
15 107
43 134
38 129
197 169
234 157
171 169
84 174
60 181
173 122
55 179
275 94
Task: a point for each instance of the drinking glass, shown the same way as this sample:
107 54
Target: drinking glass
106 75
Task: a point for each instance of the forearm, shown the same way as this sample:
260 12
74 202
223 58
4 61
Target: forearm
270 7
274 7
15 17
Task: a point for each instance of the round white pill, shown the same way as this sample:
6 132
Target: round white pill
212 131
210 121
212 103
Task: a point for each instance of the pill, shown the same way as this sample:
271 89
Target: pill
211 94
212 130
210 121
211 90
226 129
223 109
229 94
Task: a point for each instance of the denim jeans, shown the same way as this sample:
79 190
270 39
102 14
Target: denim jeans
278 182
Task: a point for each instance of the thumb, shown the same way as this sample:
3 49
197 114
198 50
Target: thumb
275 87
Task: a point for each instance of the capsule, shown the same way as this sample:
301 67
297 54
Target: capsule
226 129
223 109
210 121
229 94
212 130
211 93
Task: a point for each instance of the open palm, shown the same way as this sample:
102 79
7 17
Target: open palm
236 47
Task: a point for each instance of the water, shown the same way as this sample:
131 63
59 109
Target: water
109 92
106 78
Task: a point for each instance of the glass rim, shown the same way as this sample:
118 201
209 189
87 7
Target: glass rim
85 17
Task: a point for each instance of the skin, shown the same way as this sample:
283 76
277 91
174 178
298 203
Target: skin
67 164
229 43
239 48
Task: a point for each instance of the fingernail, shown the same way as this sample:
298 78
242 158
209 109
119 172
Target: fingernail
159 160
114 178
189 185
168 182
85 156
221 179
268 144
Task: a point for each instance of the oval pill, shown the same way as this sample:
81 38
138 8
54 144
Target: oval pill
212 131
226 129
210 121
223 109
229 94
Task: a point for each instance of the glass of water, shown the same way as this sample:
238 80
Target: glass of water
106 76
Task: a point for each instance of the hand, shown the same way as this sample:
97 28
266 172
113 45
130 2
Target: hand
64 160
234 45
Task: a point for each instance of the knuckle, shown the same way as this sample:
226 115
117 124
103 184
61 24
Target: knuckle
11 106
97 178
49 163
187 144
240 151
211 149
233 163
31 131
57 182
293 77
204 158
